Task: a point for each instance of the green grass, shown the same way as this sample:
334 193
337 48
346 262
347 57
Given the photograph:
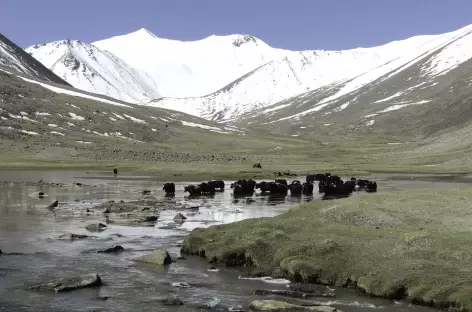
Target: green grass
413 243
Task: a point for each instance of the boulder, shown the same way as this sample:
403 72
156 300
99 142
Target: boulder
72 237
70 283
159 257
172 301
113 249
280 306
180 217
99 227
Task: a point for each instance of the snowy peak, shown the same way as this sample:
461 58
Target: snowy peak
224 77
14 57
192 68
88 68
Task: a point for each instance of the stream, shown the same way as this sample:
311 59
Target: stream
27 227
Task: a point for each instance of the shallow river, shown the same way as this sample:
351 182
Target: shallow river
26 226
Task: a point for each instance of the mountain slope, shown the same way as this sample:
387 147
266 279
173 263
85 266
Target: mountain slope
13 56
420 96
304 71
87 68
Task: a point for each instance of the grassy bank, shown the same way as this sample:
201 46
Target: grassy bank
409 244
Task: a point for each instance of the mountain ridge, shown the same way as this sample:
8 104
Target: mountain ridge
224 77
13 56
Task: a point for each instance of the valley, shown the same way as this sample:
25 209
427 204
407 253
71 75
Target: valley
160 110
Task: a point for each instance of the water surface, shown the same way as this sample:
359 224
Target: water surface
27 226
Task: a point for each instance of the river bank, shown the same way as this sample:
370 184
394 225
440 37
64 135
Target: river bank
411 244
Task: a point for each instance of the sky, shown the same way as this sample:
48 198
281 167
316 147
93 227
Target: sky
294 24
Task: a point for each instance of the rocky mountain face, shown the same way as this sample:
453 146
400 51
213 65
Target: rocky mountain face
14 57
87 68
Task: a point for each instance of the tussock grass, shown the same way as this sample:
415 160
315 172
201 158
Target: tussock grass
413 244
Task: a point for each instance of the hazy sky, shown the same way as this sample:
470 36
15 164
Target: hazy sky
290 24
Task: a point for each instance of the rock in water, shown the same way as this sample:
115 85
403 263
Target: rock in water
53 205
41 194
181 285
238 308
70 283
115 171
1 252
70 236
159 257
172 301
100 227
117 248
291 293
212 304
180 217
279 306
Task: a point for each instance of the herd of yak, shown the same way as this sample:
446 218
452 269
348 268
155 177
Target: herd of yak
329 185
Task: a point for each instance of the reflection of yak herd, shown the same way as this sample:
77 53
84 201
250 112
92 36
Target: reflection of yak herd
329 185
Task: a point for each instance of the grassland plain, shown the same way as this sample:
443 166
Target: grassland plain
410 244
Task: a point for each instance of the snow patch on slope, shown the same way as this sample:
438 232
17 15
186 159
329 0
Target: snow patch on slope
73 93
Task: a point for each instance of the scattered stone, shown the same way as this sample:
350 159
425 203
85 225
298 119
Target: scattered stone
107 211
53 205
150 200
103 298
70 283
290 293
308 288
149 219
280 306
180 217
181 285
100 227
213 303
172 301
159 257
213 269
72 237
113 249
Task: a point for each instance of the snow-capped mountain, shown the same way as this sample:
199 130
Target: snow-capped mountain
416 95
225 77
12 56
87 68
192 68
